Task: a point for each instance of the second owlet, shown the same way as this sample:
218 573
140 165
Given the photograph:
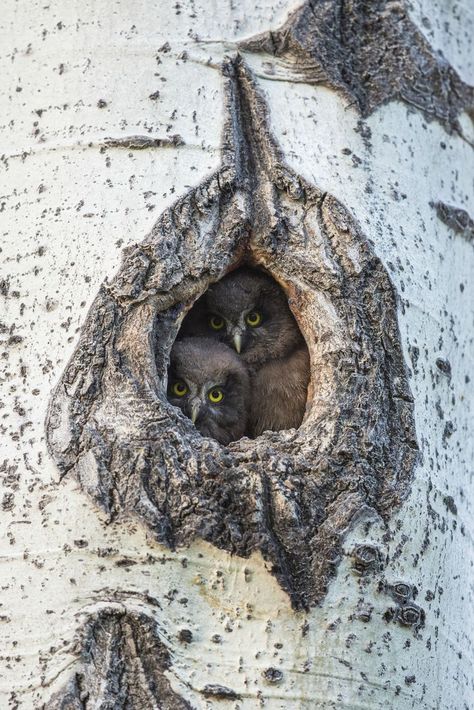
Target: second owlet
210 384
249 311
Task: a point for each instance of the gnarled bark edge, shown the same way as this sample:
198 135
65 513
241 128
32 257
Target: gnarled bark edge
290 494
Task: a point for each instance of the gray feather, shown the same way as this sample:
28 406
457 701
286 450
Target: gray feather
203 365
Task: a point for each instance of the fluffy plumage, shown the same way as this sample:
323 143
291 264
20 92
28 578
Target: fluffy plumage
240 293
278 393
202 369
249 311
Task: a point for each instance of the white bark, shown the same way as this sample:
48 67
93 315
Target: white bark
68 210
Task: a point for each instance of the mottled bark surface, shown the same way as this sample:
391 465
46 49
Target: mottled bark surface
290 494
370 51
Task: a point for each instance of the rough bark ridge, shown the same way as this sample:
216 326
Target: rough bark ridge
370 51
290 494
123 662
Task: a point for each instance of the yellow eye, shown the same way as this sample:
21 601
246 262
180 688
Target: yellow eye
215 395
216 322
253 319
179 388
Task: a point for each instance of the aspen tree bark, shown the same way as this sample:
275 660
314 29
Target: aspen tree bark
146 149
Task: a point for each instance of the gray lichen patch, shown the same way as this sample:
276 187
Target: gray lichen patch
291 494
122 665
372 52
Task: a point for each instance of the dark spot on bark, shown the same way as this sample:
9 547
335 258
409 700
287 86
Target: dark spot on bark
444 366
8 501
125 563
411 615
81 543
372 53
407 614
363 611
273 675
219 692
450 504
401 592
366 558
456 219
448 431
185 636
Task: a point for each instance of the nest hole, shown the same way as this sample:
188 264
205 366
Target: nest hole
240 365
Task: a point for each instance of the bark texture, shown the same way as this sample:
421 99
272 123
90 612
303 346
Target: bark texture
371 52
122 667
291 494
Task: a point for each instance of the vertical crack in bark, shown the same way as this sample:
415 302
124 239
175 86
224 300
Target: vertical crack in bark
290 494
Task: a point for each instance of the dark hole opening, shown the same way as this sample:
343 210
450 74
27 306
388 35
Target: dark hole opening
240 365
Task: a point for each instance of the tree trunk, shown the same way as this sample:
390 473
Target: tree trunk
148 149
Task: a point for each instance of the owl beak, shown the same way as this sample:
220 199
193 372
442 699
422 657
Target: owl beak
195 407
237 340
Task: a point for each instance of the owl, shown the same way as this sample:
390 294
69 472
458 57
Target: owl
210 384
249 311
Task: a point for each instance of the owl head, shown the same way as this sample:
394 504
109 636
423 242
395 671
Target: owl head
210 385
248 311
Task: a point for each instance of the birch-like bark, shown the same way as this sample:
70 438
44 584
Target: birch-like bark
110 112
